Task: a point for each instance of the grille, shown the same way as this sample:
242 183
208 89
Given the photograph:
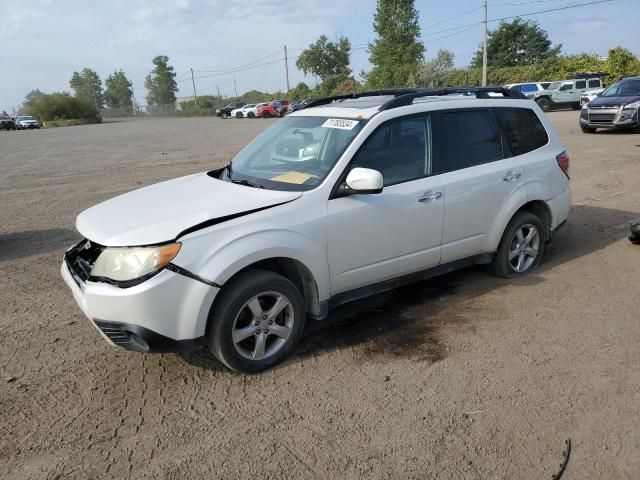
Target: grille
601 117
80 259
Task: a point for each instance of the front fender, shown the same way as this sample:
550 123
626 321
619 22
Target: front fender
223 262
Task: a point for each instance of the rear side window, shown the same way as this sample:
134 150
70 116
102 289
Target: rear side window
523 129
529 88
594 84
465 138
581 84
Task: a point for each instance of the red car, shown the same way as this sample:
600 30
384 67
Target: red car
277 108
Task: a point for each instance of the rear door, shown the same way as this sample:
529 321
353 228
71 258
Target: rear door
477 175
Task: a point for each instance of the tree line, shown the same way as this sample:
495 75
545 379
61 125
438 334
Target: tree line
517 51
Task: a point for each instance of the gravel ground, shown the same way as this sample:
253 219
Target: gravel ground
462 377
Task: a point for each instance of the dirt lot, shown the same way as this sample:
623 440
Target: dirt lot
463 377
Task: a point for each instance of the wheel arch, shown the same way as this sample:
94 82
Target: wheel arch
293 270
540 208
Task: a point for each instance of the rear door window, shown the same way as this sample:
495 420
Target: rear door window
465 138
523 129
581 84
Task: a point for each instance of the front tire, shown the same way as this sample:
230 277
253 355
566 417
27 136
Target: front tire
521 247
544 104
257 321
266 115
223 115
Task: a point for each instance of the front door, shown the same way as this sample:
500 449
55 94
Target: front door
378 237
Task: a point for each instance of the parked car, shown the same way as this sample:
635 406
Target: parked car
335 202
7 123
243 111
529 89
298 104
617 107
277 108
24 122
590 95
224 112
253 111
566 93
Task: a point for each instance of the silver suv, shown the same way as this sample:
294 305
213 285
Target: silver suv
347 197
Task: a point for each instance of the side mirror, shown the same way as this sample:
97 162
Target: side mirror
364 180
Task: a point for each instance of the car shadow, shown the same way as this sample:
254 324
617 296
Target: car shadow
17 245
410 321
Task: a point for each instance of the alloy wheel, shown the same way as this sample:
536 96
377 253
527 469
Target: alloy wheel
263 325
523 249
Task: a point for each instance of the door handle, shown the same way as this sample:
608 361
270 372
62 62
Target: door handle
511 176
428 196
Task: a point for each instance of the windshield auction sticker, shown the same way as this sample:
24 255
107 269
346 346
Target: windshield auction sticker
340 123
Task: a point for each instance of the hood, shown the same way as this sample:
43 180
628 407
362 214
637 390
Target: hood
613 101
162 212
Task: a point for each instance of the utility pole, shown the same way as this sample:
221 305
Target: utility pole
195 95
218 89
484 52
286 66
235 86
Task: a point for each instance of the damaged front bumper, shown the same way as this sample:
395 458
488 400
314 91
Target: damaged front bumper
612 118
167 312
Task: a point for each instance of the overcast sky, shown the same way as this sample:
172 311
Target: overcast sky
44 41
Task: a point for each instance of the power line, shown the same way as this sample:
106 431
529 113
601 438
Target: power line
240 66
520 3
239 70
520 15
453 18
451 34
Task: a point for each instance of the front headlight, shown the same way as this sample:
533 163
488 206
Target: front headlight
129 263
631 106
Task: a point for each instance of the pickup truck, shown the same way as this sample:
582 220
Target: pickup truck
566 93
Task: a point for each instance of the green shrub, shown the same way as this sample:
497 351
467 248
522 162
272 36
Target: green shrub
61 106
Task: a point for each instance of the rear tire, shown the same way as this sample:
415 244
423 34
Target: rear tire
223 115
250 115
544 104
521 247
266 115
257 321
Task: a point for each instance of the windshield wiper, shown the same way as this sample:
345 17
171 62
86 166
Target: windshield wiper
247 183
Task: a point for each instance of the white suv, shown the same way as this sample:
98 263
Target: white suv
345 198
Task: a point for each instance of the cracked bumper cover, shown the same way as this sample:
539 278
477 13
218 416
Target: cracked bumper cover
168 312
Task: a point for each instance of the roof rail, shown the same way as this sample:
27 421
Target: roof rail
372 93
479 92
406 96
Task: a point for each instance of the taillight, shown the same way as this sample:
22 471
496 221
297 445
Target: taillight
563 163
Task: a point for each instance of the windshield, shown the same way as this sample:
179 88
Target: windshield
27 118
294 154
554 86
623 88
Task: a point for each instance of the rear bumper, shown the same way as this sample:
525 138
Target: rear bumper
168 312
